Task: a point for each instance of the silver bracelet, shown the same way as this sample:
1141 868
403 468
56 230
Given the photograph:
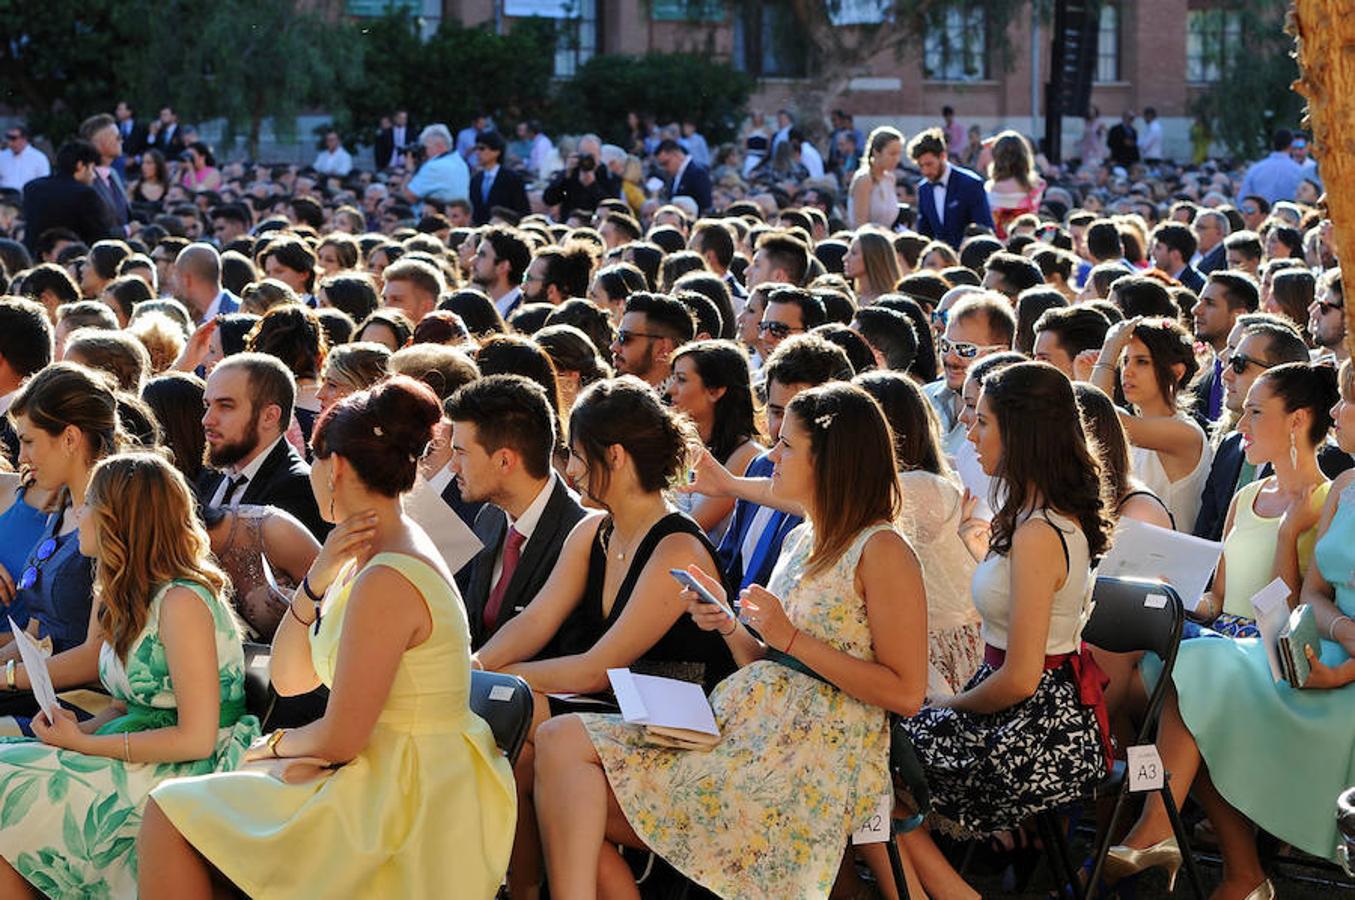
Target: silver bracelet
1331 628
1101 365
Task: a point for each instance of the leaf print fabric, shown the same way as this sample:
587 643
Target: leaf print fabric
68 822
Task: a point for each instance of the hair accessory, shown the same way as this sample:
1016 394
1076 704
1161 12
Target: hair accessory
376 430
825 420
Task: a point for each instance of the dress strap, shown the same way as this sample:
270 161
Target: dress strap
1063 541
1131 495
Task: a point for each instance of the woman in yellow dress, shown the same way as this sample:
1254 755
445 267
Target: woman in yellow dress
419 799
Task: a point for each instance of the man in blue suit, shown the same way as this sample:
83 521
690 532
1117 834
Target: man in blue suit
949 198
687 177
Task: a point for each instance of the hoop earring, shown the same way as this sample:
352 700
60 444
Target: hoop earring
1293 450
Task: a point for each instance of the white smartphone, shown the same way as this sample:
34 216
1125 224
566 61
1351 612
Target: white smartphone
685 579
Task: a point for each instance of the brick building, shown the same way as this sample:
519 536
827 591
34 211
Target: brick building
1150 53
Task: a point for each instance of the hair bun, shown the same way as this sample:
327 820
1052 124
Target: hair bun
405 411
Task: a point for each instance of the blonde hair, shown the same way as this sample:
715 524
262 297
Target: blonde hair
879 139
161 336
167 542
882 264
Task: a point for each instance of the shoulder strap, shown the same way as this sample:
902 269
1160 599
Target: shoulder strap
1063 541
1132 494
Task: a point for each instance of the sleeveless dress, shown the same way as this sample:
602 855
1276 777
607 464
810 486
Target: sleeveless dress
685 651
988 773
1181 497
931 520
21 527
884 204
799 766
1279 755
68 822
259 606
428 804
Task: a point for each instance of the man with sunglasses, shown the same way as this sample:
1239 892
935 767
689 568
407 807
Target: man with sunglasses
652 328
1327 317
976 326
20 161
789 311
1226 296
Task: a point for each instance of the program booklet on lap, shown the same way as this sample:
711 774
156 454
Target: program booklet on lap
673 713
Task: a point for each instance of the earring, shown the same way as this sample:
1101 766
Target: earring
1293 450
331 498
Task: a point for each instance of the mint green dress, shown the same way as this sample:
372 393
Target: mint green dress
68 822
1279 755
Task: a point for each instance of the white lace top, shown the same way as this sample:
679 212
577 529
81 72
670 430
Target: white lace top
931 521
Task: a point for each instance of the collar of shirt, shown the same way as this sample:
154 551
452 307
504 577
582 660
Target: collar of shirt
254 465
214 308
505 303
491 173
441 478
526 523
677 178
944 181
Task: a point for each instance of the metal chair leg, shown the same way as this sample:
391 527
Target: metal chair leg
1103 843
896 865
1179 829
1056 851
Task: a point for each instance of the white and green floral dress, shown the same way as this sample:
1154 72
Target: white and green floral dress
68 822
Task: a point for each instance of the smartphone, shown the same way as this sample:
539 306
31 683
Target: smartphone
685 579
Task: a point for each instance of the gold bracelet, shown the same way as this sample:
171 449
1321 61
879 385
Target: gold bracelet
127 746
9 676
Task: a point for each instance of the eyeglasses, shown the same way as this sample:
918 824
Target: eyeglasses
33 570
1324 306
1249 210
1239 362
778 330
964 349
13 137
624 337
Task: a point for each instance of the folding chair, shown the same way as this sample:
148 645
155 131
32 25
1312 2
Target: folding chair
1345 824
907 773
1128 615
505 702
258 694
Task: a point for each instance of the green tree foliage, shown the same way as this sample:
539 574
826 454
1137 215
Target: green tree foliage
671 86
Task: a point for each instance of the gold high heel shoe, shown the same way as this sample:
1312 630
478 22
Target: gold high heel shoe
1123 861
1264 891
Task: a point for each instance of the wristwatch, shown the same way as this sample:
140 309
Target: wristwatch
273 739
9 676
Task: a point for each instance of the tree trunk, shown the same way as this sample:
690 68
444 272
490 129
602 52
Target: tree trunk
1325 34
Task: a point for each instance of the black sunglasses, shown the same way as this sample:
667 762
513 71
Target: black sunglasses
1239 362
778 330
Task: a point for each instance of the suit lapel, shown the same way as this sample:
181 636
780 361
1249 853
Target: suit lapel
490 527
533 553
258 485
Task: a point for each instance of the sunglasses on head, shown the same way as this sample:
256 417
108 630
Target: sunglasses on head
1239 362
778 330
964 349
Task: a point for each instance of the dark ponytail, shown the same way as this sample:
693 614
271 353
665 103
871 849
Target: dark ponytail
1306 386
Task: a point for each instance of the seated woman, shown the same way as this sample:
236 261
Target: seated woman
840 642
170 656
265 552
933 502
420 797
66 418
1132 498
1281 765
610 601
1036 695
1272 523
1171 454
711 385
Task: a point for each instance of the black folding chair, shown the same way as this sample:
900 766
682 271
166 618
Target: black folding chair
1128 615
258 694
505 702
1345 824
908 775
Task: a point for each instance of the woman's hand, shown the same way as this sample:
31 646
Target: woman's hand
258 750
349 538
762 611
1323 677
973 530
707 617
1300 515
1118 337
195 351
708 477
64 732
1083 364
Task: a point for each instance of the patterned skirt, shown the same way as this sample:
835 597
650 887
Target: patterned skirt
989 773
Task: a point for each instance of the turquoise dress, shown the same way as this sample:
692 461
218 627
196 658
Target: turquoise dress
1279 755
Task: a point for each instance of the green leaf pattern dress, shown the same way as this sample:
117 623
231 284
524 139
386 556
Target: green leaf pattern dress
68 822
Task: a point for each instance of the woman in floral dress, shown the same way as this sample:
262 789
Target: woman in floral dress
802 762
71 802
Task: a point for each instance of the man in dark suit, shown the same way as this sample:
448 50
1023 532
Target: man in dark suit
249 400
1211 228
166 134
399 132
494 185
503 436
949 198
1172 246
102 131
686 176
1226 297
1123 141
67 199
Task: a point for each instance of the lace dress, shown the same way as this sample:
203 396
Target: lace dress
931 520
259 604
800 765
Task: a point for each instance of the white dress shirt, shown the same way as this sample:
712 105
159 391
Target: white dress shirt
16 170
505 303
525 524
337 162
939 195
249 470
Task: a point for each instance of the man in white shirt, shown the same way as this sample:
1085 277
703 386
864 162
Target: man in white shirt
500 261
20 161
809 155
1150 141
334 159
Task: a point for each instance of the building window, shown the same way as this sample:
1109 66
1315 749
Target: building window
1213 40
576 37
1108 43
767 44
956 44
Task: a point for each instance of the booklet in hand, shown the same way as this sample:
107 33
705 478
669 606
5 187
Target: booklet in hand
1271 605
674 713
1299 634
35 665
1182 560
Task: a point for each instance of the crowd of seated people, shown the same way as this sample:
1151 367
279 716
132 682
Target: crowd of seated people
857 436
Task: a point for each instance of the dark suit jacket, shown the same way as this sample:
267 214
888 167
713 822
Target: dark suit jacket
1214 260
966 204
114 194
695 183
1202 388
283 481
507 190
1191 278
169 144
539 555
134 141
385 143
730 552
59 201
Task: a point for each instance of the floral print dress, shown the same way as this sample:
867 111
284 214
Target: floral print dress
68 822
800 765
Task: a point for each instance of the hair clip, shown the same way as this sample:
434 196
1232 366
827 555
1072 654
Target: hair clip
825 420
376 430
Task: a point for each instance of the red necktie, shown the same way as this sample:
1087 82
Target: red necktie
512 552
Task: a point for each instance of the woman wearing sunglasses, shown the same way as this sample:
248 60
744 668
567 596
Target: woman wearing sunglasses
66 418
1171 454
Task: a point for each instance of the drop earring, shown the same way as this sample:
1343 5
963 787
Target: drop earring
331 499
1293 450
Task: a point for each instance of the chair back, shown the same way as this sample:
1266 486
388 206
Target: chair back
258 697
505 702
908 774
1131 615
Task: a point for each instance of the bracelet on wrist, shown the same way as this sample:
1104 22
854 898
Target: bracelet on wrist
732 628
792 641
291 608
9 676
1331 628
306 586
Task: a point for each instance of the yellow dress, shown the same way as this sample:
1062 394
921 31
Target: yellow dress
427 809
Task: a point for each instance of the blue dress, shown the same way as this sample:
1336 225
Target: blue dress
1279 755
21 527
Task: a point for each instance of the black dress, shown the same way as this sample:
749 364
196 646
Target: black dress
685 651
